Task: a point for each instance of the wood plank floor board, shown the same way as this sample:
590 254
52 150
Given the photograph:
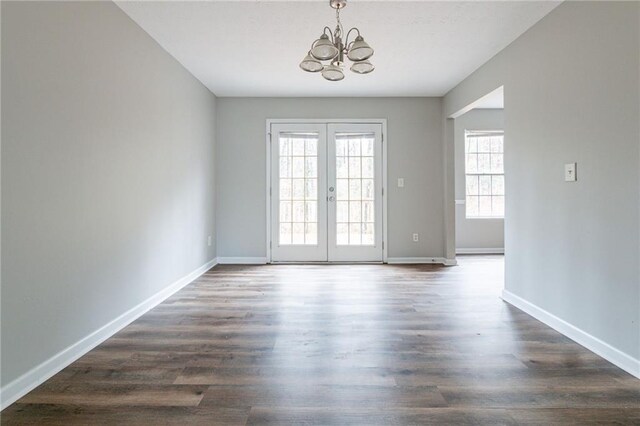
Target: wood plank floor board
83 415
337 344
157 375
79 392
576 416
564 360
498 376
327 397
573 395
283 376
372 417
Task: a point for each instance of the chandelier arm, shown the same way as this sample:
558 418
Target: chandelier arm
346 40
324 31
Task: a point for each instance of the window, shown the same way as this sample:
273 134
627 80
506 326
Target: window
484 174
298 189
355 189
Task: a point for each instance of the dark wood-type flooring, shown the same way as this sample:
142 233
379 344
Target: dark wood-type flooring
337 344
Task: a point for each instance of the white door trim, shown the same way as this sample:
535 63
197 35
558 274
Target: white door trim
382 121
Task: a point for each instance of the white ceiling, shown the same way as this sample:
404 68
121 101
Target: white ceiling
253 48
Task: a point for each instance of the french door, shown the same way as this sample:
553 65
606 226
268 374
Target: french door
326 192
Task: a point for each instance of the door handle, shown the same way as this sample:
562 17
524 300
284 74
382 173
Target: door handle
331 189
331 198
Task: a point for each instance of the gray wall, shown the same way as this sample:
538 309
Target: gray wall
414 152
107 174
572 89
475 233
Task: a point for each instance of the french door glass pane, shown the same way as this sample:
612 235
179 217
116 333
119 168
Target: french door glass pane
298 190
355 189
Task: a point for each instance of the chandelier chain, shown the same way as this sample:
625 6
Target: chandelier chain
339 24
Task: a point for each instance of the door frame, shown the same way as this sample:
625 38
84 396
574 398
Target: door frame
381 121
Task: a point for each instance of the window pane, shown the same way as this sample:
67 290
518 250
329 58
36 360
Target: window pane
498 206
285 167
367 189
471 165
342 234
368 237
497 163
484 144
298 146
496 144
298 189
342 189
285 189
285 147
311 167
298 211
341 148
471 205
472 144
355 234
485 206
311 211
311 189
354 167
355 211
298 233
367 147
484 163
285 211
367 167
342 169
355 189
485 185
342 211
298 166
367 211
472 185
311 147
354 147
311 233
497 185
285 233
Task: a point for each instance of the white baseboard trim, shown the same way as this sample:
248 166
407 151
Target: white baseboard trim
595 345
421 260
36 376
496 250
242 260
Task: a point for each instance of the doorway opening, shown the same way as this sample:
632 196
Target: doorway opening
479 176
325 191
480 181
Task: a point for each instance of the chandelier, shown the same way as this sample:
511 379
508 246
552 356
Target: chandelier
331 48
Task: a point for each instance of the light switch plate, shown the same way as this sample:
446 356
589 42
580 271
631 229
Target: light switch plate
570 172
400 182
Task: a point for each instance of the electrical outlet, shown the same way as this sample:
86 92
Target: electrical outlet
415 238
400 182
209 240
